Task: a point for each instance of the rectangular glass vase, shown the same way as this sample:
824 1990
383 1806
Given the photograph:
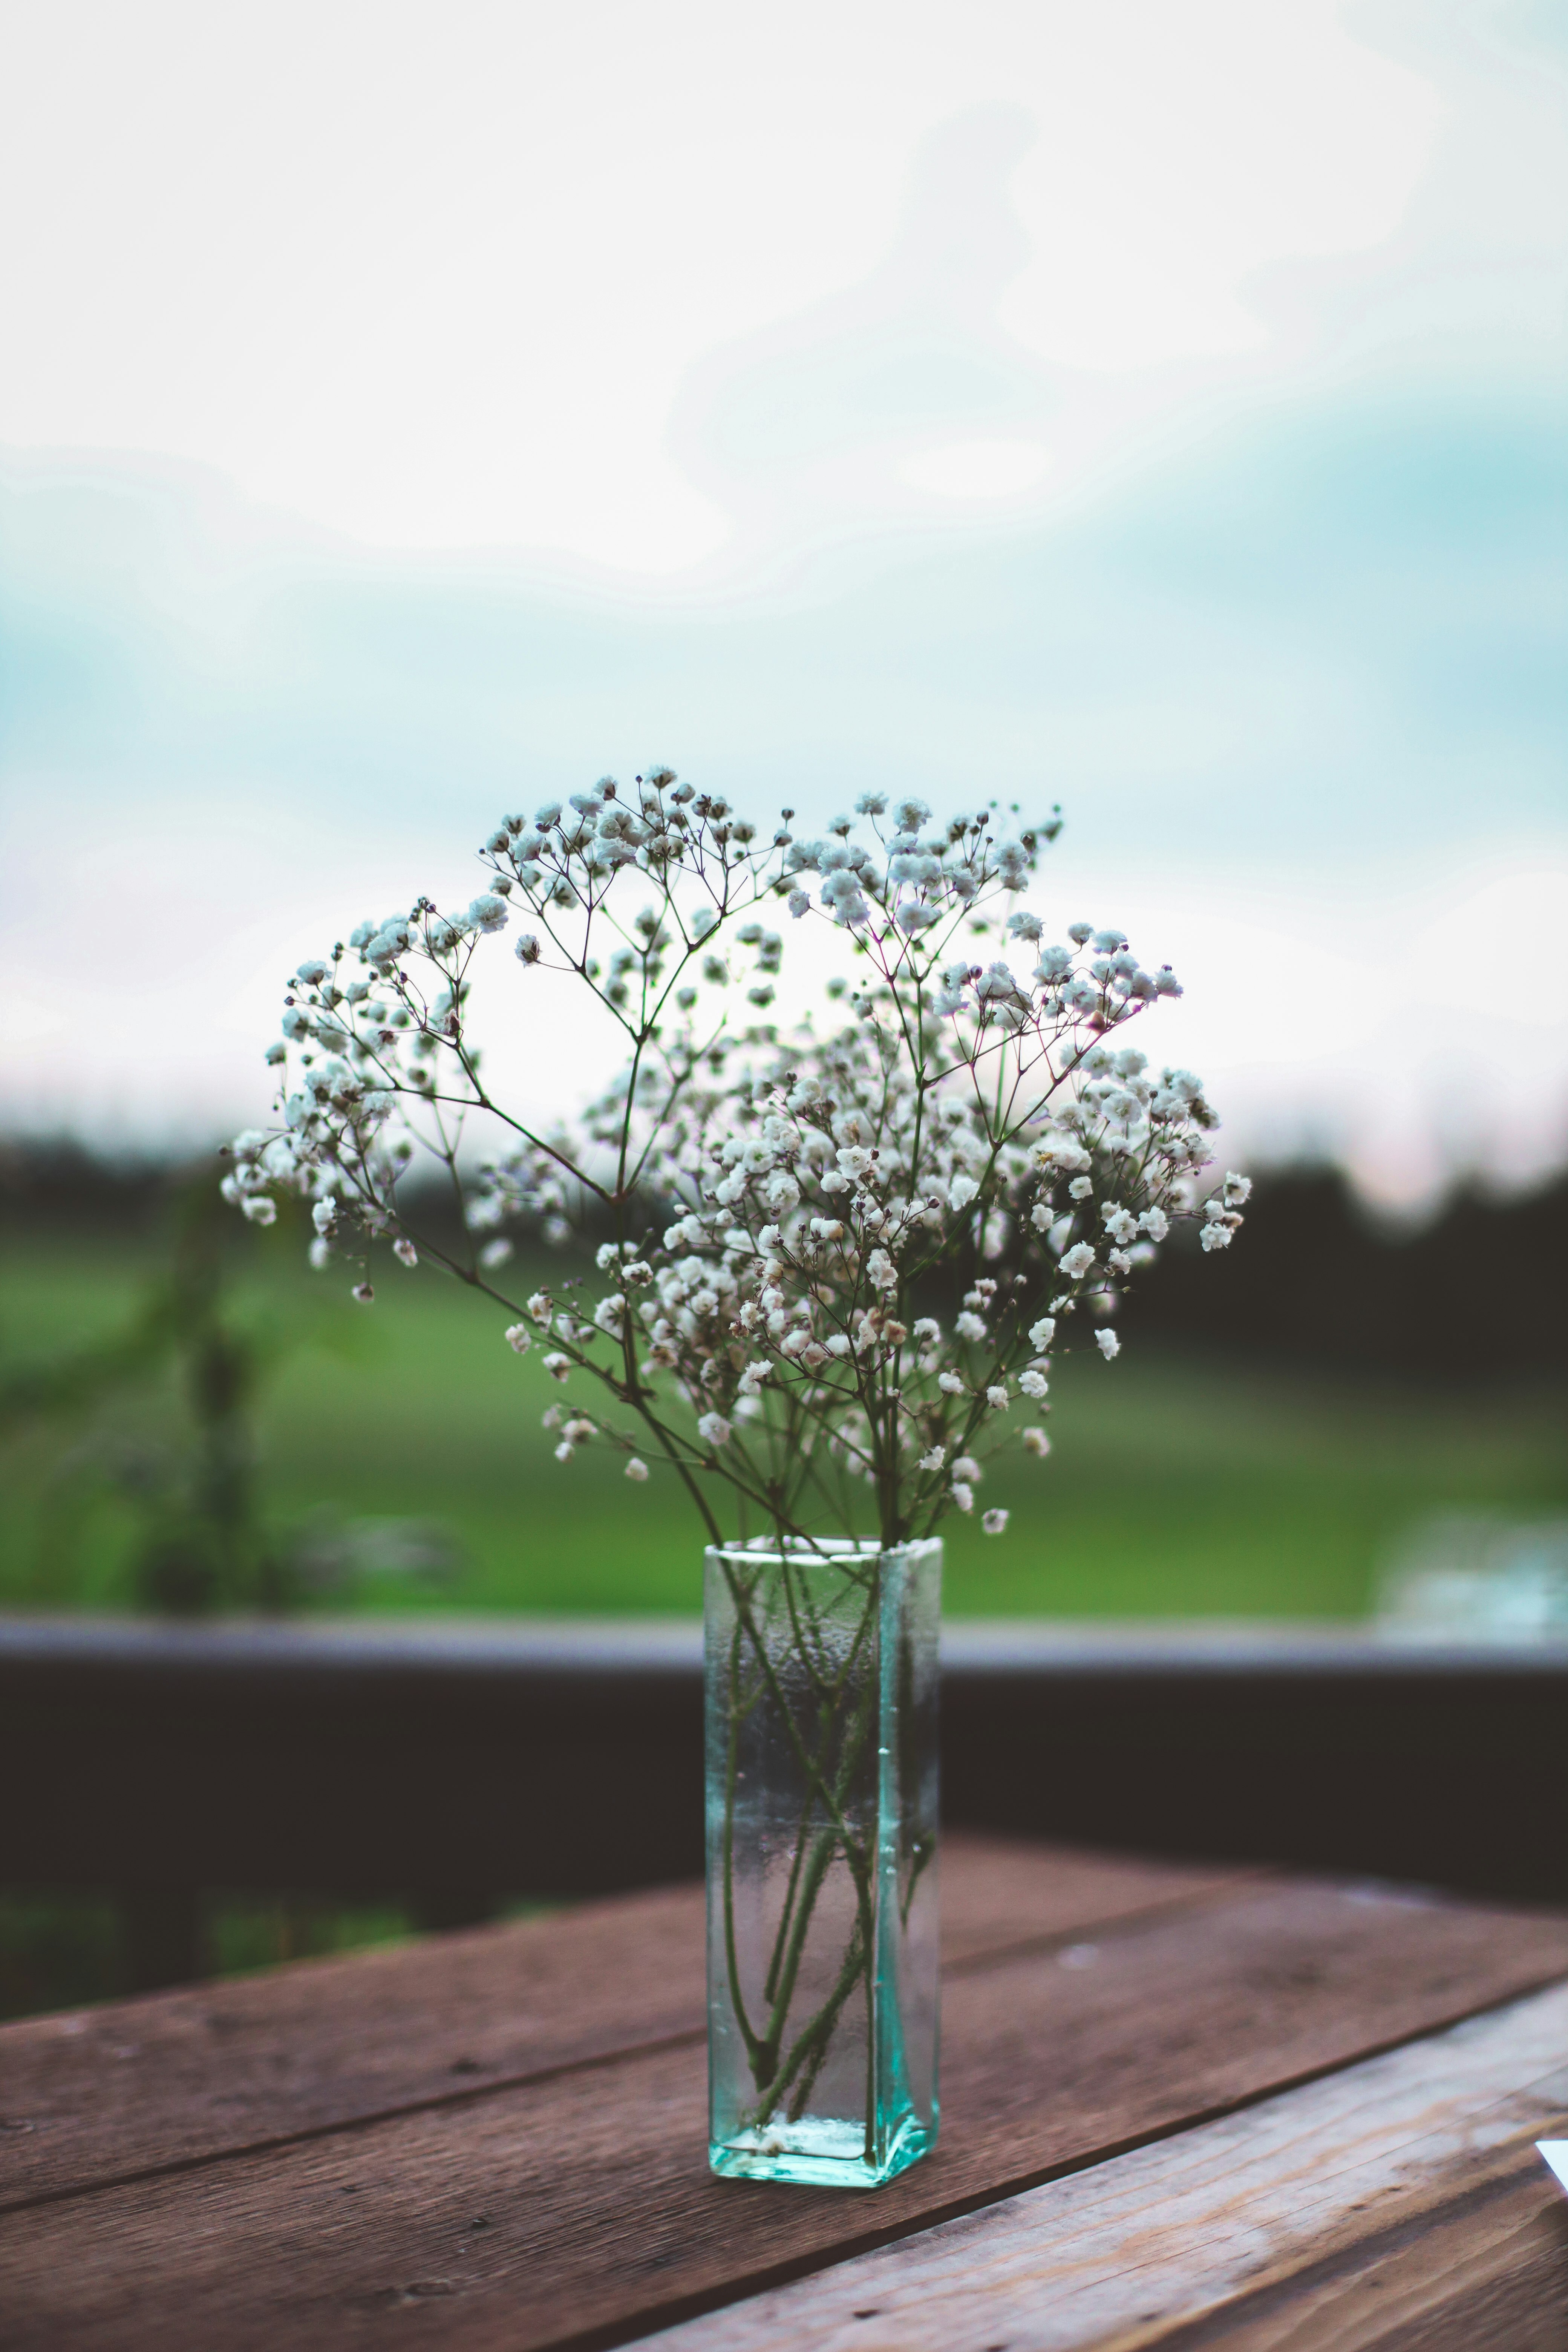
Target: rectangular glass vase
821 1707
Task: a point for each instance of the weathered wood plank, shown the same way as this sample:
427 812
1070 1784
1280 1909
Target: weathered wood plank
578 2210
1397 2203
104 2093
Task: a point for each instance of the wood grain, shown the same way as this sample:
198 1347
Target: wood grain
1396 2203
577 2210
135 2086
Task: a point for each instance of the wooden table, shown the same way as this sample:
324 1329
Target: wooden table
1226 2108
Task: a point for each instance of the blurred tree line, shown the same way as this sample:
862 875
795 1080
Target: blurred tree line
1477 1291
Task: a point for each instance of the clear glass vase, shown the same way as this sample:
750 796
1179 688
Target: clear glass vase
822 1680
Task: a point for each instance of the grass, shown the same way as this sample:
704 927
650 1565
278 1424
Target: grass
1176 1485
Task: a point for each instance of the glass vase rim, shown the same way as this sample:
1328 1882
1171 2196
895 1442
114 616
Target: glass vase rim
825 1548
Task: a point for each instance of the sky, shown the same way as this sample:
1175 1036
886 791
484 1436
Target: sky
409 413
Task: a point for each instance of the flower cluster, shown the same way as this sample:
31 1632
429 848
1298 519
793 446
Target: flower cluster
838 1261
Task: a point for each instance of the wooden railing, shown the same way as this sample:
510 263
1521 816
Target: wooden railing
456 1765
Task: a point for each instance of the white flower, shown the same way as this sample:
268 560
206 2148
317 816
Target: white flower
799 903
1215 1237
950 1384
607 1255
558 1366
1042 1333
1108 1343
713 1429
540 1307
610 1314
527 948
928 1332
495 1252
967 1469
1120 1223
319 1254
971 1326
1077 1261
261 1210
565 1450
404 1251
994 1523
997 1396
1155 1223
364 1292
1238 1188
963 1495
1033 1383
962 1190
1036 1442
637 1470
518 1338
932 1461
880 1271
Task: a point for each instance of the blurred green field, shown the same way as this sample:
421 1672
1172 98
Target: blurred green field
1175 1486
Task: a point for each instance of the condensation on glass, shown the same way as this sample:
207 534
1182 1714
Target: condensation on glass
822 1692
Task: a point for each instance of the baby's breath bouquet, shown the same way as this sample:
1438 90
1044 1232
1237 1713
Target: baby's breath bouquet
836 1255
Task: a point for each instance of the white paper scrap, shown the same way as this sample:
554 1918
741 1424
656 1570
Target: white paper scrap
1555 2152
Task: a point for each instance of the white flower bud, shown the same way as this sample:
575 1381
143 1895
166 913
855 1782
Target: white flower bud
1108 1343
637 1470
518 1338
994 1523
